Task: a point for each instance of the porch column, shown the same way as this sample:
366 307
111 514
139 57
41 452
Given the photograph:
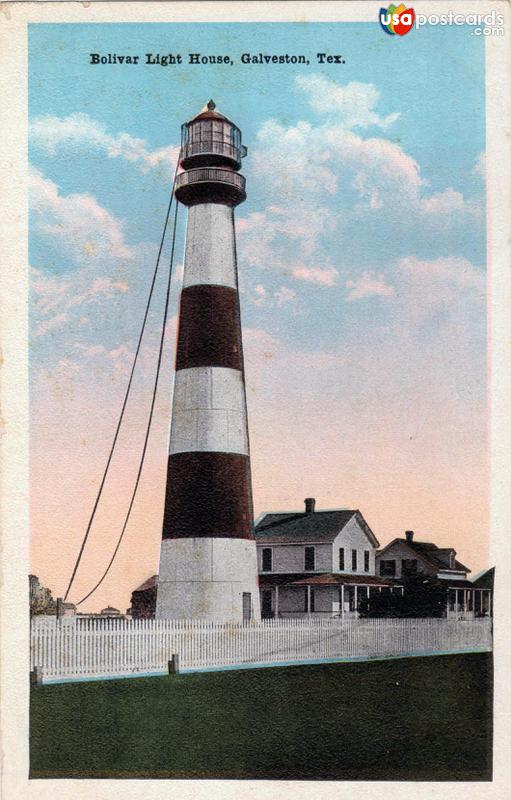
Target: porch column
456 604
356 600
342 601
308 600
276 601
464 602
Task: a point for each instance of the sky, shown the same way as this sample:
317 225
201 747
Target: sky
361 251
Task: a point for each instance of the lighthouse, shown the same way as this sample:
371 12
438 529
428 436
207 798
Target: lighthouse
208 562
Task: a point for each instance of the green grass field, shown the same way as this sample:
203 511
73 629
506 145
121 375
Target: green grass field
407 719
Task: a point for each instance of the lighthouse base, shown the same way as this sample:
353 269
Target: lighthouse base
208 578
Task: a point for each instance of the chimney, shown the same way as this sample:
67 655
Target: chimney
409 536
310 504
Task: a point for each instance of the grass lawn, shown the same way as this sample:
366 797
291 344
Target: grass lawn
406 719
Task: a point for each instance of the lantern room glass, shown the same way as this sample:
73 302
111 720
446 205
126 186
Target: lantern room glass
207 130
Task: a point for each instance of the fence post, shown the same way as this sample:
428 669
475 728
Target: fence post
36 676
174 664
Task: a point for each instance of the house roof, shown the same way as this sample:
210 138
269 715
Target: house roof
426 551
150 583
316 526
322 579
459 584
338 579
485 579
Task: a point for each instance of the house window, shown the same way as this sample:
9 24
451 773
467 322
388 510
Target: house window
267 559
247 606
341 558
310 559
266 604
354 560
408 566
387 567
366 560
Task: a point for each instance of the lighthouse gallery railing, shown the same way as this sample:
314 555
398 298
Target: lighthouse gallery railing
210 175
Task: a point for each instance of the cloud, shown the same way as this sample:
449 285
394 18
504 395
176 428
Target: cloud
445 204
321 276
353 103
480 165
82 228
329 184
287 240
121 357
369 284
79 130
452 285
48 291
294 161
320 165
65 294
260 295
284 295
424 288
99 288
281 297
51 324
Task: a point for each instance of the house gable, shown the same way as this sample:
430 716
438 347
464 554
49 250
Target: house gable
355 538
426 556
399 549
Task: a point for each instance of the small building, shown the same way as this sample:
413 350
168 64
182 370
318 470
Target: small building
403 557
143 599
109 611
314 563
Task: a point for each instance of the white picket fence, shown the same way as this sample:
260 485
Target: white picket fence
76 648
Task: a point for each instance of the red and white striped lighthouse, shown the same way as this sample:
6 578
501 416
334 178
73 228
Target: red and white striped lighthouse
208 563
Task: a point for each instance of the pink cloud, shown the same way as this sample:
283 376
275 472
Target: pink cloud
322 276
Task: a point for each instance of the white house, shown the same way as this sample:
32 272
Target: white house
316 562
